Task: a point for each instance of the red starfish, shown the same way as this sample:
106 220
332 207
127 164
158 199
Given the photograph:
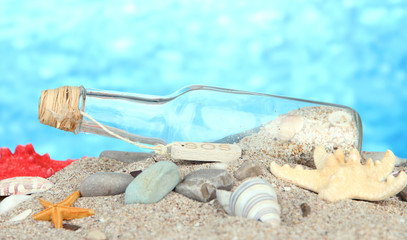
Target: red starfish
26 162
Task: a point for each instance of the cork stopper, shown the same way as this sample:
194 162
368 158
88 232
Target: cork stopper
59 108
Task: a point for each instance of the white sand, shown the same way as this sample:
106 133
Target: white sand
177 217
317 129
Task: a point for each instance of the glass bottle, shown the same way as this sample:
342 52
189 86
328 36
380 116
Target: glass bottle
273 125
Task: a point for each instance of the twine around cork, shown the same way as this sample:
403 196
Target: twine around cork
59 108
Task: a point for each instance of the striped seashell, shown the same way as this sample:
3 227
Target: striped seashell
254 199
24 185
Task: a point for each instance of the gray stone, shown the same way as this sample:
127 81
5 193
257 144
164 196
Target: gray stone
305 209
135 173
104 184
403 194
127 157
248 169
153 184
201 185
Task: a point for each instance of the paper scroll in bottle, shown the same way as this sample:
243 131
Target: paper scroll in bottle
205 152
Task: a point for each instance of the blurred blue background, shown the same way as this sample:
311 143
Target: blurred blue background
346 52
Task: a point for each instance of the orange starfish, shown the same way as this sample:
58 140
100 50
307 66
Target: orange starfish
62 211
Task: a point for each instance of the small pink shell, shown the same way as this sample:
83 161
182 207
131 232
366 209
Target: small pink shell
24 185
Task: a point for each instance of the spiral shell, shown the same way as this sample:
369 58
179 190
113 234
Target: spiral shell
254 199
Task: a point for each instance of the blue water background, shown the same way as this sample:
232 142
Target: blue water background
346 52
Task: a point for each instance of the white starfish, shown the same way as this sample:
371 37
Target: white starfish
334 179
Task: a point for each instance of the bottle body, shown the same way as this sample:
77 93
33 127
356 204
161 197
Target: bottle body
258 122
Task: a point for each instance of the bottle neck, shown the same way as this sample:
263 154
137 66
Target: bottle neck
135 117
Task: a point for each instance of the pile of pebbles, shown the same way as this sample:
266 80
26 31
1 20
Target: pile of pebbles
156 180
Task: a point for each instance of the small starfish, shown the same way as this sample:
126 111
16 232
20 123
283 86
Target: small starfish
334 179
62 211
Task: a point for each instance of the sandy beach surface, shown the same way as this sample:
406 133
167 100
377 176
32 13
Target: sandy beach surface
178 217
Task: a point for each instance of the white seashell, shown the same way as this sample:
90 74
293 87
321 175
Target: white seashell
289 126
339 118
223 198
12 202
24 185
21 216
254 199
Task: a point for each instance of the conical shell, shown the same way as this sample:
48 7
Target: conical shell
254 199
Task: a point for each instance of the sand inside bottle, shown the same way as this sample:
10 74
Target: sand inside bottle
294 136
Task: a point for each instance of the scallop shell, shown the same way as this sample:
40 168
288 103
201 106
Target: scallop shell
289 126
254 199
24 185
339 118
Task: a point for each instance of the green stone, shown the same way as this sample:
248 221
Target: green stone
153 184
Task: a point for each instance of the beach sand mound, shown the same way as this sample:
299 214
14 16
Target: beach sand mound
303 215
